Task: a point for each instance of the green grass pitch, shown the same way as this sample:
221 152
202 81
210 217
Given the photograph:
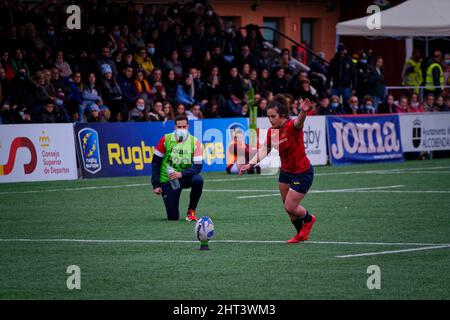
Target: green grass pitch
387 212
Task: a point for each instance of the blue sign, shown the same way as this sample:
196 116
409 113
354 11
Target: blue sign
127 149
364 139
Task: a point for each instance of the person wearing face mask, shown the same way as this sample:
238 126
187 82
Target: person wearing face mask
139 112
336 106
178 156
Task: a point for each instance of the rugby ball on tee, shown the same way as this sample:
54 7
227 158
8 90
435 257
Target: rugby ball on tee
204 229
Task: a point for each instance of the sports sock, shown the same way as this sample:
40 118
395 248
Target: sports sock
298 224
307 218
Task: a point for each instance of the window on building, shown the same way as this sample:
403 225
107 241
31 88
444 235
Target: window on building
269 35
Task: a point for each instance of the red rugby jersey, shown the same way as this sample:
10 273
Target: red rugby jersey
289 142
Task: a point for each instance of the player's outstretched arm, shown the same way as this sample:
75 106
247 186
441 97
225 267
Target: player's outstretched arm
262 153
305 105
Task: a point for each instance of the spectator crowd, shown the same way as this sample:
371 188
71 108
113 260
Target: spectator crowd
153 64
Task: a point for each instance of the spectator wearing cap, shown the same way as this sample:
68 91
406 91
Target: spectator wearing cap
342 74
105 58
112 95
96 113
49 113
144 62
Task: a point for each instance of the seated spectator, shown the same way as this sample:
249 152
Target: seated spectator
93 103
212 109
367 106
141 87
168 111
63 66
324 108
73 96
139 112
352 106
49 113
157 113
414 105
17 63
305 91
447 104
125 82
180 110
174 64
262 108
195 113
428 103
95 113
336 107
112 95
278 82
158 91
440 104
186 92
171 84
388 106
144 62
402 106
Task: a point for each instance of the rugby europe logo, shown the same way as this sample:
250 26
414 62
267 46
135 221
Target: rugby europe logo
19 142
364 138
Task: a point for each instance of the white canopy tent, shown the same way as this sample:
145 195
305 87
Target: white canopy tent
412 18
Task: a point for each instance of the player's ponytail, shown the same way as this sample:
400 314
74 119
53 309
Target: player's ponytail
280 104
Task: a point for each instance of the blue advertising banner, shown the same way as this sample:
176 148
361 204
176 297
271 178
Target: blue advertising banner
364 139
127 149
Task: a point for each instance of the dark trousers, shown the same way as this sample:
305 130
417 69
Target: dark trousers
172 197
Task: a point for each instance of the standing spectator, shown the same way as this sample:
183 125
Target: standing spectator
377 83
342 74
412 73
434 75
74 96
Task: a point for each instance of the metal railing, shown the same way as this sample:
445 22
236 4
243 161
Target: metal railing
412 88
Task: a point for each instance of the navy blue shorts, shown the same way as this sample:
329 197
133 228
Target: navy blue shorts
300 182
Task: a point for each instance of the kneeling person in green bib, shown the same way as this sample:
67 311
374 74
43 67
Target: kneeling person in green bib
176 165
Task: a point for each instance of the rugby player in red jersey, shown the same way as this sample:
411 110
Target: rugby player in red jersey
297 173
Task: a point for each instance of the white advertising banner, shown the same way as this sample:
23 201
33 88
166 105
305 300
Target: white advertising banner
37 152
314 134
425 131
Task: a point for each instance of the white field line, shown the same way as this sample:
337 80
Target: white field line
325 191
392 251
156 241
